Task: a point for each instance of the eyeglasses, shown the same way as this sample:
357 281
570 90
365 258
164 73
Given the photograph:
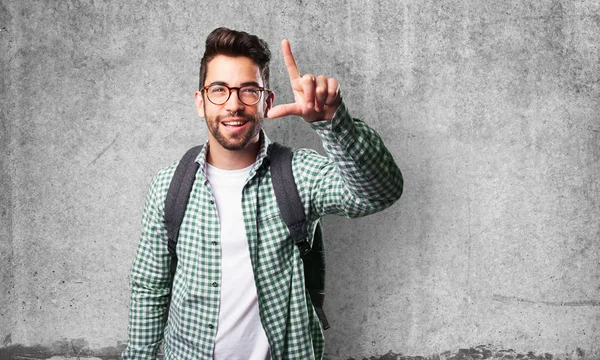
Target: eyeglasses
220 94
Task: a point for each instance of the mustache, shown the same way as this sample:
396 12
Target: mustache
247 117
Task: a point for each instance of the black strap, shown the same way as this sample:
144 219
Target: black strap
177 199
292 212
314 274
288 199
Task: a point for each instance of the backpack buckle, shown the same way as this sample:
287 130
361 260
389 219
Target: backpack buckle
299 236
304 248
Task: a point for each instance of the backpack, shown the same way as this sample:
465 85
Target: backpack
290 206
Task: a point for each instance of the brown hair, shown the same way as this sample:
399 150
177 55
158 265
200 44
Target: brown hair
223 41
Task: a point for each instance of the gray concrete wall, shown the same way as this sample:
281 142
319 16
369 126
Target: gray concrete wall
490 108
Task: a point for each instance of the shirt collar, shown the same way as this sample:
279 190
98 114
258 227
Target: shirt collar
260 157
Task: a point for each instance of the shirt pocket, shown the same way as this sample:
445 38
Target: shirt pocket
270 223
272 228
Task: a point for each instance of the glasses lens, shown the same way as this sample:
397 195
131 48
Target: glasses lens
249 95
218 94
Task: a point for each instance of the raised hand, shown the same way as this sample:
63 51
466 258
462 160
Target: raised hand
315 98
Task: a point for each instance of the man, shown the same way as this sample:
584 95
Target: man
238 292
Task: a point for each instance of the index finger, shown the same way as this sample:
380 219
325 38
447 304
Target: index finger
288 58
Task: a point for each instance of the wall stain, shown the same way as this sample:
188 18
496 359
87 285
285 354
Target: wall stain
104 150
503 298
78 348
7 340
74 348
485 352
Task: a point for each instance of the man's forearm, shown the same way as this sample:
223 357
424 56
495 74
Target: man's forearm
150 282
366 166
146 323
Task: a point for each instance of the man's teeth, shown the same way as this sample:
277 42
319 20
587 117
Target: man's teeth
234 123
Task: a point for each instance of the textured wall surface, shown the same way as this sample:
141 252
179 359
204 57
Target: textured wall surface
492 110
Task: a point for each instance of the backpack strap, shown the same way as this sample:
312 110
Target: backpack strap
314 274
292 212
288 199
177 199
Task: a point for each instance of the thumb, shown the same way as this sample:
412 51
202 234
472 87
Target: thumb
284 110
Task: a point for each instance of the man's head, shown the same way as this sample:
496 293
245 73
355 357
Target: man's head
223 41
234 60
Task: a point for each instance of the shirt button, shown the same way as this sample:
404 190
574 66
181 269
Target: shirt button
211 326
215 284
212 201
214 243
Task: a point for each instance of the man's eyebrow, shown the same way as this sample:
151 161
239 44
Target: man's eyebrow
217 83
247 83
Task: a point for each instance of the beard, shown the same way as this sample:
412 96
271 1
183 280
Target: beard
238 141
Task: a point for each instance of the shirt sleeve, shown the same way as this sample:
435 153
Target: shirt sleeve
150 279
359 175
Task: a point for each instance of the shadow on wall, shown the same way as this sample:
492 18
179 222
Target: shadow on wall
79 349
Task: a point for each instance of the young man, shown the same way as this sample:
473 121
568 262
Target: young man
238 292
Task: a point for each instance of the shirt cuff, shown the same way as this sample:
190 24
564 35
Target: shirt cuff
339 127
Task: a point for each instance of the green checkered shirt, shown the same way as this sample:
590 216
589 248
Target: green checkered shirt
359 177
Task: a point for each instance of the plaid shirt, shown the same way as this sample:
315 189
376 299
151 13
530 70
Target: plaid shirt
359 177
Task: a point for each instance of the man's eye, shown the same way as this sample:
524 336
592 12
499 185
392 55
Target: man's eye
217 89
250 91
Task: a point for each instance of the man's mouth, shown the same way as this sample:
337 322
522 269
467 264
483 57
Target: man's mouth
232 123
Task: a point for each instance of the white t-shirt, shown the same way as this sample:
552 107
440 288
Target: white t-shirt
240 334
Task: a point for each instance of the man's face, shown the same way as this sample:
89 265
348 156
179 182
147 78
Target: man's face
233 124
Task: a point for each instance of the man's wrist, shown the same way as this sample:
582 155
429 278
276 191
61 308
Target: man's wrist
339 117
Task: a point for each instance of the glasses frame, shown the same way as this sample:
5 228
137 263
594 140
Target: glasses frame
237 90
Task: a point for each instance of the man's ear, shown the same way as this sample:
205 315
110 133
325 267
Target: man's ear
199 100
269 102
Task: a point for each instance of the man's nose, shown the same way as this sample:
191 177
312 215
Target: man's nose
234 103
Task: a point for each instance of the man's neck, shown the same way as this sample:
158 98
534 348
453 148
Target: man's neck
224 159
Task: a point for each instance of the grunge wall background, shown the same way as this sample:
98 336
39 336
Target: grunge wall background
492 110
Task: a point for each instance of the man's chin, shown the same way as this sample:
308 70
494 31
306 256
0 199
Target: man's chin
234 144
233 147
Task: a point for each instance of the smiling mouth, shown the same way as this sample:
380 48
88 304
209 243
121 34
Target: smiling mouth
233 123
